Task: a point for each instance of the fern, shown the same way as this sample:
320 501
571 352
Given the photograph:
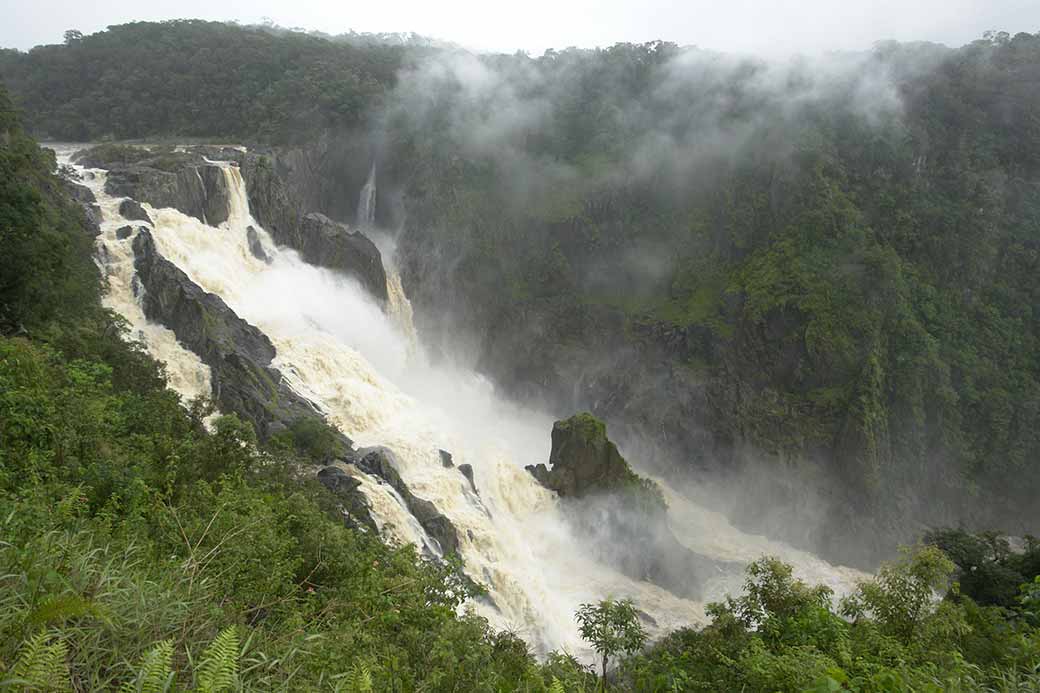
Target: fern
218 671
41 665
359 679
155 671
556 686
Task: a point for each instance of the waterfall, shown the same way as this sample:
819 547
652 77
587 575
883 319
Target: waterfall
186 373
366 210
362 367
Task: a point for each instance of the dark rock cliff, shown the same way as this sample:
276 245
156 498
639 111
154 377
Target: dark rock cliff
238 354
182 180
320 240
380 462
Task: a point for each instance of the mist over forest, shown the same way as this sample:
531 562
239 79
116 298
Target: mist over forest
375 363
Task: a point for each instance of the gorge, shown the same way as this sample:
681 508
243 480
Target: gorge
318 337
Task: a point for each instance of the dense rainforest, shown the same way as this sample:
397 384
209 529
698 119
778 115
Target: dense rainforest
775 273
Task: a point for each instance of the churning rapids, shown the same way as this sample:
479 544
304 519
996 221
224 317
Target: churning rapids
365 370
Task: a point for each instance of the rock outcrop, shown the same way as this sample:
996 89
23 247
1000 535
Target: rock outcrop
583 460
238 354
622 516
133 211
256 248
182 180
87 202
380 462
320 240
355 507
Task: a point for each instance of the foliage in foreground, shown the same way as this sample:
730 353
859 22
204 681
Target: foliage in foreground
891 635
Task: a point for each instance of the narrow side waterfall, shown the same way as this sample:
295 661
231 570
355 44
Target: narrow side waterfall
364 369
366 211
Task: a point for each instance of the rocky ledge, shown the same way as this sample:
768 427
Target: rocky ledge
182 179
238 354
320 240
380 462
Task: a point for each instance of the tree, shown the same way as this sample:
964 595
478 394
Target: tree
612 628
73 35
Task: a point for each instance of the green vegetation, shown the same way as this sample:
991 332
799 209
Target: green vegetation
218 81
836 274
612 628
785 636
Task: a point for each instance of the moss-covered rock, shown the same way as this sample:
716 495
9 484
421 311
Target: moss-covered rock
584 462
622 516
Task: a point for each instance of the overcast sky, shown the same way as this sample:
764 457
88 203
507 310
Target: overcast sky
773 28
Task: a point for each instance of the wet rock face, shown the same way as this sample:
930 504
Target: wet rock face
256 248
467 471
380 462
87 202
238 354
133 211
347 489
182 180
327 243
320 240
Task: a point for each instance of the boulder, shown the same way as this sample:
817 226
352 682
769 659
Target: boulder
256 248
583 460
347 489
446 459
238 354
467 471
327 243
380 462
124 232
133 211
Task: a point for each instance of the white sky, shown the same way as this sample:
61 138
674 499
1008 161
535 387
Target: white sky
757 26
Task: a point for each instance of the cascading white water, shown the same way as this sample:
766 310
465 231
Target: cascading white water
366 211
361 367
187 375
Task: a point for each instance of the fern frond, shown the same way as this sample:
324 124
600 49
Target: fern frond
556 686
359 679
218 671
154 672
41 664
